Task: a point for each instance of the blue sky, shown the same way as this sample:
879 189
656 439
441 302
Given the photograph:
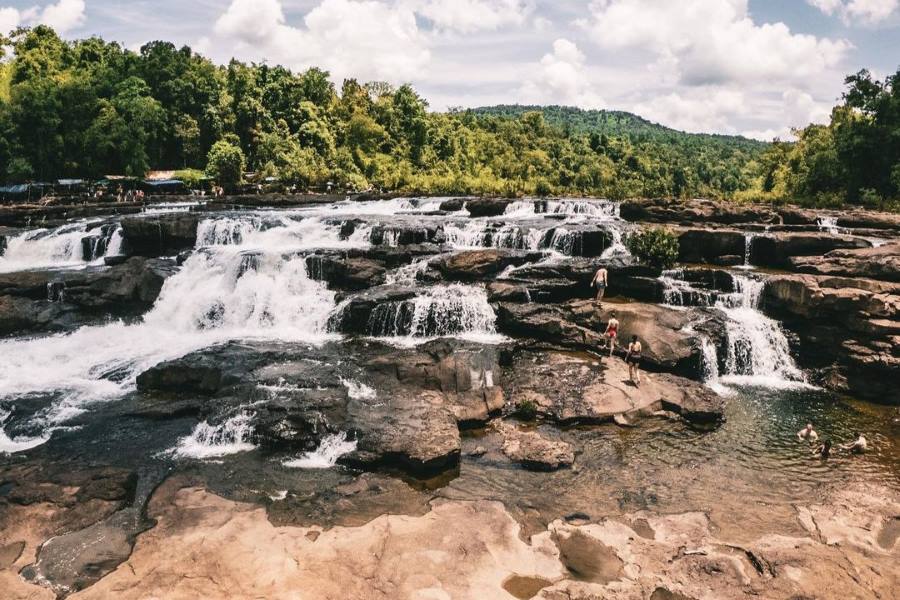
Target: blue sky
755 67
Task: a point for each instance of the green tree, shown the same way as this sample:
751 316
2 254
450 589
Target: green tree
656 247
225 164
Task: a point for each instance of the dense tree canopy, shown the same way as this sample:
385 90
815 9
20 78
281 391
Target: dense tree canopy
855 158
90 108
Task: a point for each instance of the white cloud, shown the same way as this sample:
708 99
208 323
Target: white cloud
469 16
63 16
712 41
10 18
351 38
868 12
696 110
251 21
561 78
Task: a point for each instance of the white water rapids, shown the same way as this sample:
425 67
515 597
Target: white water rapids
59 248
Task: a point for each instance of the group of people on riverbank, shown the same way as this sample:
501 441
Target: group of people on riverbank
823 450
635 348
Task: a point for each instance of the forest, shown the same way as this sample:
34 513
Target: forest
90 108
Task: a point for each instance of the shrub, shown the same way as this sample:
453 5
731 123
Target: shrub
656 247
526 410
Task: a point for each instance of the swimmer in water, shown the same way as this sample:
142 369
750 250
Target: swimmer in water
808 433
823 451
857 446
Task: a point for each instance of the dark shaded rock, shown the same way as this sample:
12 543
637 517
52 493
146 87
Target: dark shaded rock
357 314
453 204
32 301
705 245
473 265
776 249
487 207
346 273
163 235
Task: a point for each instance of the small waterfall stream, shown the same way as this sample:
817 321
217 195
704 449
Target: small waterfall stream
758 352
70 246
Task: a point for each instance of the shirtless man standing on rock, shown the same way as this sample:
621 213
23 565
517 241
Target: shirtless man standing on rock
600 281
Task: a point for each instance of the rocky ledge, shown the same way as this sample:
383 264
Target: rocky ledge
845 546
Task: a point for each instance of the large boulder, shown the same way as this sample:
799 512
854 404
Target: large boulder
356 315
574 388
848 330
33 301
706 245
163 235
882 262
487 207
346 273
777 249
474 265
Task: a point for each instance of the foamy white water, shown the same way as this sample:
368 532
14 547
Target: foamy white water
209 441
358 390
10 445
758 351
456 310
331 448
221 293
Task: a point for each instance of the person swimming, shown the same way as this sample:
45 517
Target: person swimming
823 451
612 332
808 433
633 360
857 446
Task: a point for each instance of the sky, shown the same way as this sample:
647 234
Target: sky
750 67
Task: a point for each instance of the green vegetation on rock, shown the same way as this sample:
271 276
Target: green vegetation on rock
656 247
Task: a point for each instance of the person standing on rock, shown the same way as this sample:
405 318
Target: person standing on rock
600 281
633 360
612 332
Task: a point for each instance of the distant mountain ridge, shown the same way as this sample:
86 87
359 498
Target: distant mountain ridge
616 123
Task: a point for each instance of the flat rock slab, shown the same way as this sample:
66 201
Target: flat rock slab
533 450
570 387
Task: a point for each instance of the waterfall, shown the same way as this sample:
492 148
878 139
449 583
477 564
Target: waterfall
65 247
331 448
830 225
758 352
748 249
606 209
214 441
618 247
446 310
114 247
45 249
221 293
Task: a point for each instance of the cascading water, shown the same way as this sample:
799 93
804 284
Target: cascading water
447 310
592 208
331 448
829 224
232 291
214 441
758 352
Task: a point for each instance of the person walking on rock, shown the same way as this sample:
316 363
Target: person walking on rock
600 281
612 332
633 360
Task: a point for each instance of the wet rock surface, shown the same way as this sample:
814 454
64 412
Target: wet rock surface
881 263
164 235
32 301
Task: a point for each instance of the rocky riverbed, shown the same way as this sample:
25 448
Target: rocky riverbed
410 398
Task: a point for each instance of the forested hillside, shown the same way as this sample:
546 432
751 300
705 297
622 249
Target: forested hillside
89 108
